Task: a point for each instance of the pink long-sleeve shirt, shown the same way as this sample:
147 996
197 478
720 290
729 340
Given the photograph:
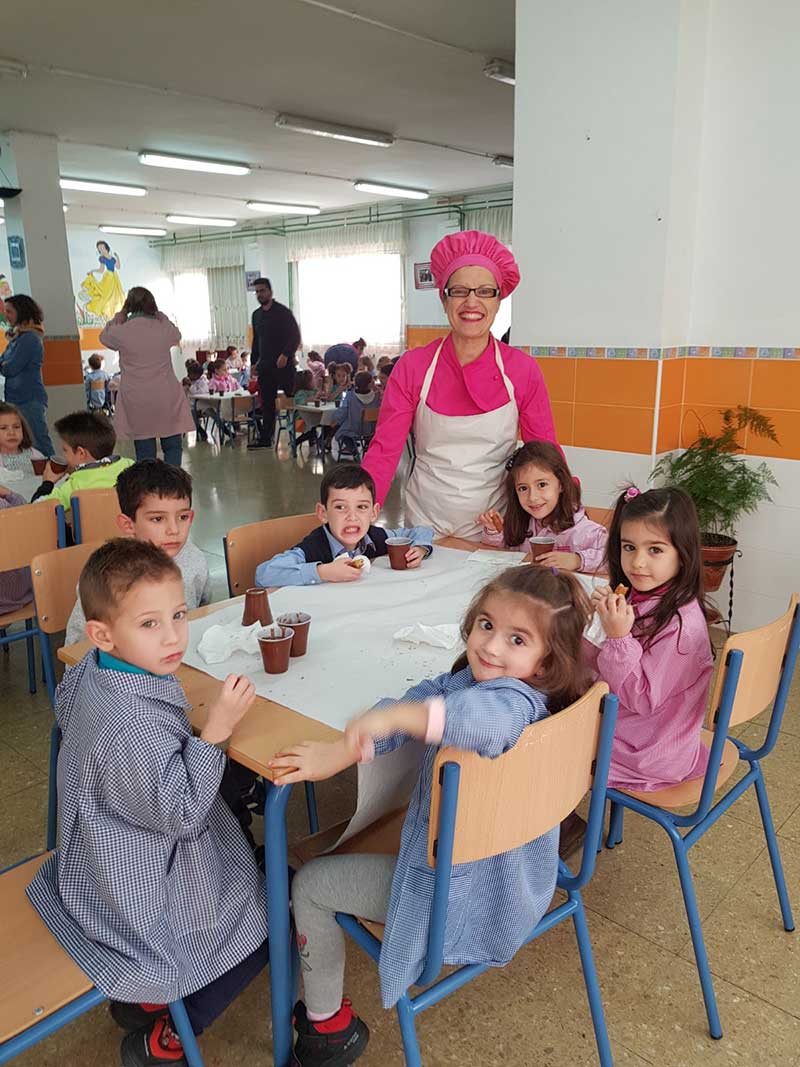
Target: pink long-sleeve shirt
586 539
662 694
456 390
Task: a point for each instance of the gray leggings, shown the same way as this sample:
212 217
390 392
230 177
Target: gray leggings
358 884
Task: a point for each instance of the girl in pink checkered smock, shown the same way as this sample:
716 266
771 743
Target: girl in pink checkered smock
657 655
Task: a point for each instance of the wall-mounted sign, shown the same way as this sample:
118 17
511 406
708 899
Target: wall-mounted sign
250 279
423 276
16 252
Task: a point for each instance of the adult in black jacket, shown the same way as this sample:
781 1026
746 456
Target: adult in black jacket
276 338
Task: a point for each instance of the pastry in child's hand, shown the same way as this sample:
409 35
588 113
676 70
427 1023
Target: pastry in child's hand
621 590
497 520
357 563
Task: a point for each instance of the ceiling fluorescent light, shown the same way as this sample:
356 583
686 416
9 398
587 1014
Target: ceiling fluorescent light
334 130
88 186
14 68
500 70
196 220
282 209
503 161
391 190
211 166
135 231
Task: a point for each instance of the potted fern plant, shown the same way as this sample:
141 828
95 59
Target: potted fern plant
722 485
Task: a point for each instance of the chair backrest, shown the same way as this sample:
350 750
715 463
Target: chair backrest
28 530
370 415
242 405
506 802
55 582
247 546
764 651
284 403
601 515
95 517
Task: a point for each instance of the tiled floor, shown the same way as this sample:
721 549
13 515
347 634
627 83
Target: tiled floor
534 1011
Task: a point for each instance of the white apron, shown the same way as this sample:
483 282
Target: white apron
460 465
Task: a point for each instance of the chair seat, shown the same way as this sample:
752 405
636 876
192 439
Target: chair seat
380 838
27 611
688 792
37 977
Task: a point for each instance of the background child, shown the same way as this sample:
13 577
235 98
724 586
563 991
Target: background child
366 364
16 442
522 660
347 510
543 499
232 358
153 890
15 586
340 381
155 503
350 415
304 391
200 387
657 653
244 373
316 365
221 381
87 440
96 398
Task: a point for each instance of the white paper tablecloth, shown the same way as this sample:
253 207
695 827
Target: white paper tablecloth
352 659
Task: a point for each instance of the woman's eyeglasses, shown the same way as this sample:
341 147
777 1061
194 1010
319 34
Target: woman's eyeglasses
461 292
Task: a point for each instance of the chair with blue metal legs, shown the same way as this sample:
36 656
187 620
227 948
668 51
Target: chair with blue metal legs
94 515
24 532
484 807
55 580
757 670
41 988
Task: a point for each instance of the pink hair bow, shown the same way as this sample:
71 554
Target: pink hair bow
631 492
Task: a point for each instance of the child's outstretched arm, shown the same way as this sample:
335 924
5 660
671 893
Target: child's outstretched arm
421 542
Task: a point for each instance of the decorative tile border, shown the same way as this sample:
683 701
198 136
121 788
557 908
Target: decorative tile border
681 352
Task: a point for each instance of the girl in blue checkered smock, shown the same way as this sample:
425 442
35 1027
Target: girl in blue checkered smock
522 661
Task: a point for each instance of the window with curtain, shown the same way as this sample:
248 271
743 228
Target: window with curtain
228 304
342 298
192 307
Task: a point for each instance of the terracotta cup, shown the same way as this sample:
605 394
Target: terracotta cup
38 466
275 643
300 623
256 608
58 465
397 548
540 546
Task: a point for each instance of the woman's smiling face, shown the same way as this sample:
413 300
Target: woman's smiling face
469 316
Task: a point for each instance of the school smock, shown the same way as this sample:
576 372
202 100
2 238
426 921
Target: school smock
663 693
500 379
585 538
153 891
494 903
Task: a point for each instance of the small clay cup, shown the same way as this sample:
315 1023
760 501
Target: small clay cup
256 608
38 466
275 643
58 466
540 546
397 548
316 403
300 623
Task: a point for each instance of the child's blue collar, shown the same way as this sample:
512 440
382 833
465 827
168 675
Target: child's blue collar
107 662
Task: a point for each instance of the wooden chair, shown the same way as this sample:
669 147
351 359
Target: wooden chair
55 580
24 532
484 807
94 515
41 988
600 515
758 669
284 422
247 546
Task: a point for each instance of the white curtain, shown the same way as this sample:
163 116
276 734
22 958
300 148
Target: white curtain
201 255
228 302
385 238
494 220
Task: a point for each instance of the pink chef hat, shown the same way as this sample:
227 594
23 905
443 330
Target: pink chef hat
472 248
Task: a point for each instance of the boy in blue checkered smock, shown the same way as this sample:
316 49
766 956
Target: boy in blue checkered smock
153 891
522 661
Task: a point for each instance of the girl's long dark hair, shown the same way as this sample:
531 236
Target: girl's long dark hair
674 511
141 301
517 521
559 610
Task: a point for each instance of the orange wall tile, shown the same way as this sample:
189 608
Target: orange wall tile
90 338
62 362
417 336
559 377
721 382
669 427
608 428
695 414
563 417
672 375
776 384
622 382
787 427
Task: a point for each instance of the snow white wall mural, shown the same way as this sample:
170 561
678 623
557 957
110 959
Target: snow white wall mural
101 294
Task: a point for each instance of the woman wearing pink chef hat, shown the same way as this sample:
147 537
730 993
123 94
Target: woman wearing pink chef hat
466 396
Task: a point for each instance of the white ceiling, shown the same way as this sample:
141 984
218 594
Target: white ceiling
206 80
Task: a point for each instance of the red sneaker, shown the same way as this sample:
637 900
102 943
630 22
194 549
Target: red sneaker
334 1042
153 1045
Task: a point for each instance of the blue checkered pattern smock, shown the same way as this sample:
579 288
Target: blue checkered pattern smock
494 903
153 891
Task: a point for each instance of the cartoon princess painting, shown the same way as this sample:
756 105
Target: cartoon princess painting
101 291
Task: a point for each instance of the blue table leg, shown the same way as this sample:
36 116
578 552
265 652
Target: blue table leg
277 888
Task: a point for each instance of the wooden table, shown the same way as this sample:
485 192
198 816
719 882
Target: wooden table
266 729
